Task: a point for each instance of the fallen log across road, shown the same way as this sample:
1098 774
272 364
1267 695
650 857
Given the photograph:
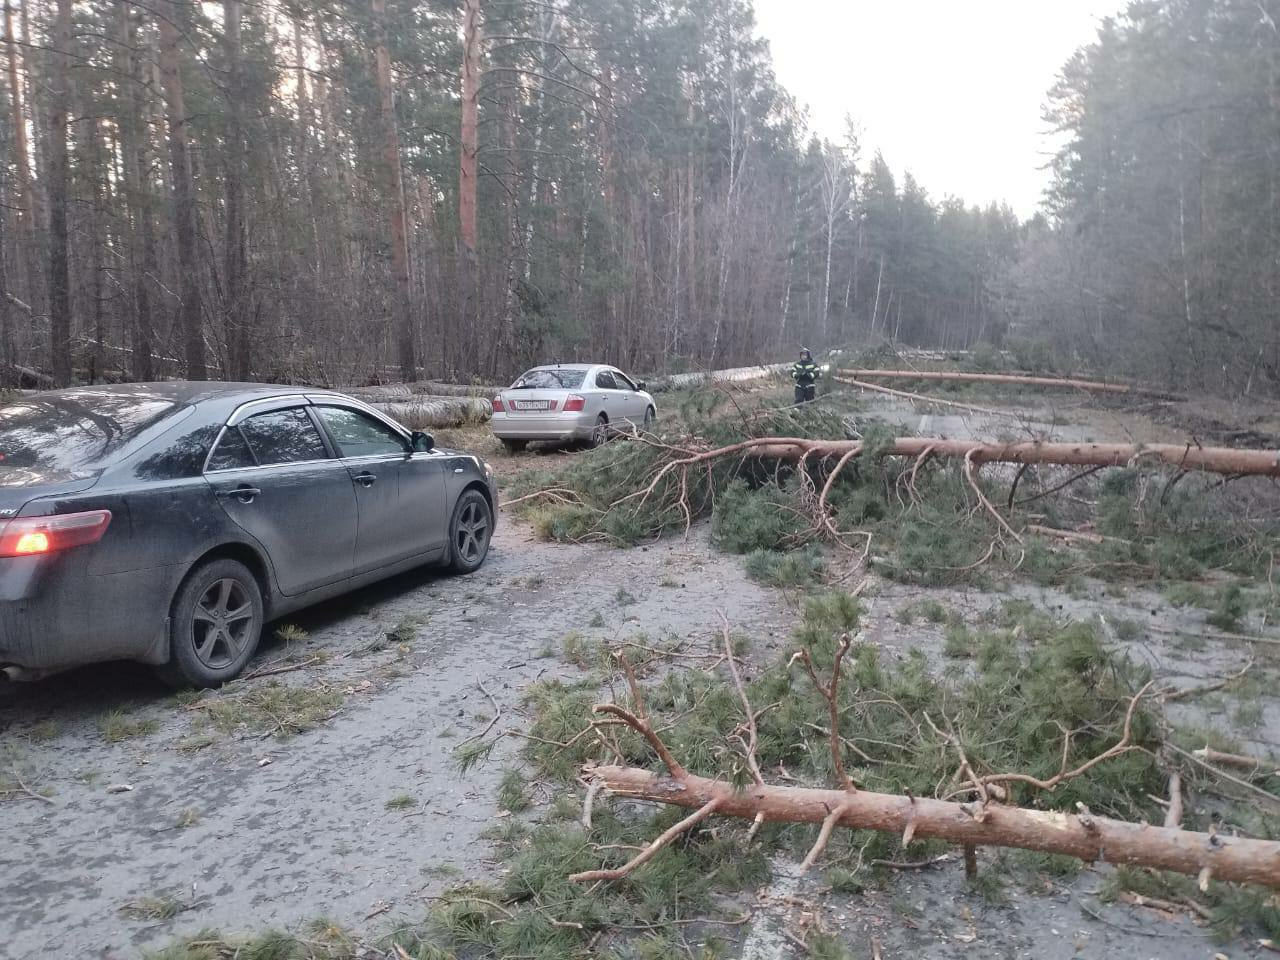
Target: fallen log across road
1016 379
1085 836
1189 456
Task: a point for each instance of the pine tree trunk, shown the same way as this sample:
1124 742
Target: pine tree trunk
237 295
184 210
1087 837
393 184
1224 460
7 347
468 165
1017 379
22 164
59 188
141 246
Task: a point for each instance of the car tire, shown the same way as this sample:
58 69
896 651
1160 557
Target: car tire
650 418
470 532
215 625
514 446
599 433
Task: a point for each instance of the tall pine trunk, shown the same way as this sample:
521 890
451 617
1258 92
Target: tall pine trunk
184 208
59 187
468 164
236 269
137 194
393 184
22 163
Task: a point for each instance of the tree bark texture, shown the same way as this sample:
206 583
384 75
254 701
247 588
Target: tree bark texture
59 187
1085 836
393 187
184 208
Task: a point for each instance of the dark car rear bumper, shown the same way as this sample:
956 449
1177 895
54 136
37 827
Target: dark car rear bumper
55 614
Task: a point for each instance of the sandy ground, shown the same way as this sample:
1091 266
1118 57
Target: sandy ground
283 831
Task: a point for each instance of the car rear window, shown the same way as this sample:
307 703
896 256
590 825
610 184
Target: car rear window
554 379
74 431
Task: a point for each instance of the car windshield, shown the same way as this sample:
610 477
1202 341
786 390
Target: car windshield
73 431
552 379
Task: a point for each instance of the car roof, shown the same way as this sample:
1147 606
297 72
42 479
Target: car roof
567 366
183 391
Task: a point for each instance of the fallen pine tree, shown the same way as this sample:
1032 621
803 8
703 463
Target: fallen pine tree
1188 456
775 480
986 820
1011 379
972 453
1083 836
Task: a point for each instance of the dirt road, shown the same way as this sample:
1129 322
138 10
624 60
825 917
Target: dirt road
310 832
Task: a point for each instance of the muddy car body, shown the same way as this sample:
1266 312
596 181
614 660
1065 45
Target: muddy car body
117 502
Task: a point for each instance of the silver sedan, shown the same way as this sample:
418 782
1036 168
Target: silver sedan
571 401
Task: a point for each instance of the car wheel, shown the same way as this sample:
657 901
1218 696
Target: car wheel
600 432
650 418
514 446
215 625
469 532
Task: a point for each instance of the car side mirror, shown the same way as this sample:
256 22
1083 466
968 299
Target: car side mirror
641 385
423 442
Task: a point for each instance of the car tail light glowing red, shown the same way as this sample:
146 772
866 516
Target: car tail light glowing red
31 536
574 403
498 405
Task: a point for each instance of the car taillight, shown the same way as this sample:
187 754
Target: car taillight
498 405
574 403
31 536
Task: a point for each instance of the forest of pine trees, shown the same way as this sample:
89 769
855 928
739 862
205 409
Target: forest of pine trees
346 191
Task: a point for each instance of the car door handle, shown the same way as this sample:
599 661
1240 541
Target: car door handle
366 479
244 494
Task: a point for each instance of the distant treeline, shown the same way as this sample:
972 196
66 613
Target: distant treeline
343 192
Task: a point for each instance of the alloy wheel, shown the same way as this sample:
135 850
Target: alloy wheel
472 535
222 623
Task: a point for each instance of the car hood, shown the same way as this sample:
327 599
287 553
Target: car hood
20 485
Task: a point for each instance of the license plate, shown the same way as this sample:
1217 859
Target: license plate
532 404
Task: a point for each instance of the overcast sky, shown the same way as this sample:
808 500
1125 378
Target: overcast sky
952 91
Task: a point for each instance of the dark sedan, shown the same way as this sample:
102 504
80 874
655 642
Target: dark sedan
167 522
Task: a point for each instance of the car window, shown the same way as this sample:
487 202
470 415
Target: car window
624 382
232 452
553 379
358 434
73 429
283 436
605 381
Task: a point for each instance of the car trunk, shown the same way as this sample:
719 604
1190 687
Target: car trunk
20 485
533 402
